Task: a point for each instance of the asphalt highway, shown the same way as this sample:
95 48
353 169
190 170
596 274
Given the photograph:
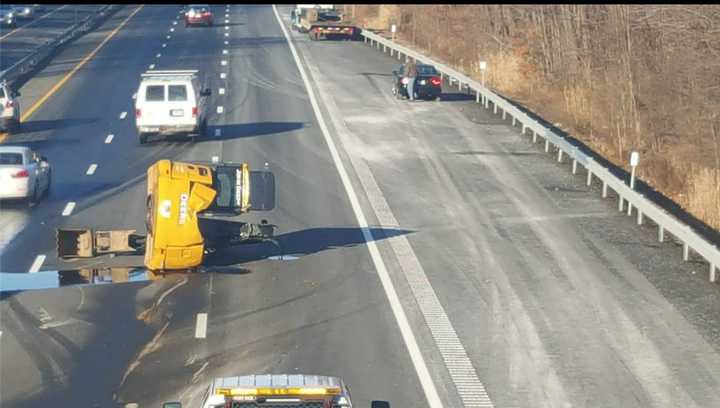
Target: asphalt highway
49 22
512 278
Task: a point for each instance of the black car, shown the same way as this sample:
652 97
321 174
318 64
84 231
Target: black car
427 83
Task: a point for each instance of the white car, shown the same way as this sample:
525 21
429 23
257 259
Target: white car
9 109
23 173
170 102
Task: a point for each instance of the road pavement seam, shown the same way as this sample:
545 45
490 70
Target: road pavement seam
408 336
37 263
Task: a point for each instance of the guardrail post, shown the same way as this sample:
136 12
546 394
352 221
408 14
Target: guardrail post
547 145
560 154
534 136
686 251
574 168
661 233
713 274
504 114
391 52
604 193
384 48
399 55
522 132
589 177
459 85
513 121
639 217
487 102
621 202
477 96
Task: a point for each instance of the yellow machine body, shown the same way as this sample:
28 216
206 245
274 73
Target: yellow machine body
176 192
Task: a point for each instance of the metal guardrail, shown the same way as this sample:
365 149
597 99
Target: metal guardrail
644 207
30 62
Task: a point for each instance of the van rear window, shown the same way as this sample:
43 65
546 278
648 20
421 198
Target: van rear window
177 93
155 93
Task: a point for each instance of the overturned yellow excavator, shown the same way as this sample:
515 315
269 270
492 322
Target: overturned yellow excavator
183 203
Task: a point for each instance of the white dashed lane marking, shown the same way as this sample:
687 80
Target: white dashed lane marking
164 45
135 96
223 75
172 29
109 139
37 264
227 42
91 170
201 326
123 115
168 37
223 62
225 52
220 109
157 55
152 66
218 132
69 207
221 91
227 34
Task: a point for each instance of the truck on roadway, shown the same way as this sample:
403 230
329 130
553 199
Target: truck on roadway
321 21
283 390
182 199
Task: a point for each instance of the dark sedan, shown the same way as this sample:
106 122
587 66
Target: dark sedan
427 83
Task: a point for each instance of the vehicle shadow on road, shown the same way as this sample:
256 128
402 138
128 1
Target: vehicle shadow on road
55 124
301 243
240 130
456 97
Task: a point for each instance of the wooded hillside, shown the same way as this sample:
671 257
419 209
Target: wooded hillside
617 77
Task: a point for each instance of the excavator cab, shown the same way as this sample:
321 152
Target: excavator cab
179 195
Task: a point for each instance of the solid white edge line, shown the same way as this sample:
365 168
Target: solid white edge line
37 264
68 208
91 170
201 326
408 336
109 138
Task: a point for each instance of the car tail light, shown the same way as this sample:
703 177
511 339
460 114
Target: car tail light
9 104
194 112
138 113
404 81
21 174
435 81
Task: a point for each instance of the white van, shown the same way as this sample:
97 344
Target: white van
170 102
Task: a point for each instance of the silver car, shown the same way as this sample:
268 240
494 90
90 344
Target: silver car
23 174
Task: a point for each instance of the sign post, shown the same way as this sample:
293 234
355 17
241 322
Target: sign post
634 161
393 29
483 67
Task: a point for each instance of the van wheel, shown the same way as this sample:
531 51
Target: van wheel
142 137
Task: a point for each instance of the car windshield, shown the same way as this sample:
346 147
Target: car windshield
426 70
11 158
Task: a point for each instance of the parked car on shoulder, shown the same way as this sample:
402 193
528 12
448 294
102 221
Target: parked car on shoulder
428 84
24 174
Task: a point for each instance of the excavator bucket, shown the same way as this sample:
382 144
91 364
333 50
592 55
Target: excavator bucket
74 243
